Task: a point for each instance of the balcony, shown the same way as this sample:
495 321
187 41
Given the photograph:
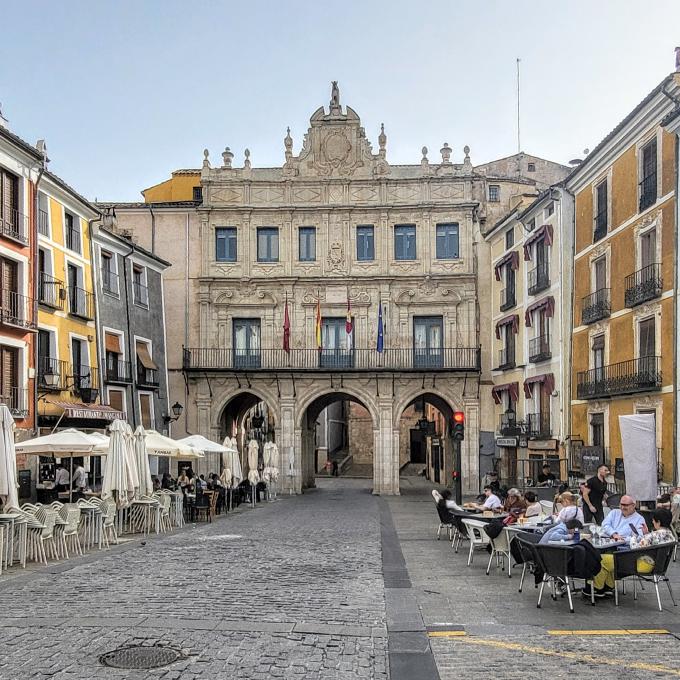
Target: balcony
539 348
13 225
140 294
118 371
350 361
17 310
85 381
626 377
643 285
538 280
538 425
52 374
600 226
80 302
43 223
509 426
16 399
51 291
648 191
147 377
596 306
506 358
507 299
73 240
109 281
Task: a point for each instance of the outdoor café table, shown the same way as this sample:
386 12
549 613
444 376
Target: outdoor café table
16 536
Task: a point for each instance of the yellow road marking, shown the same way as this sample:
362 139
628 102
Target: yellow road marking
572 656
631 631
447 633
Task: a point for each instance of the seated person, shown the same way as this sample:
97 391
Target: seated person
445 500
492 501
546 478
664 501
533 505
514 503
618 523
570 509
662 518
563 531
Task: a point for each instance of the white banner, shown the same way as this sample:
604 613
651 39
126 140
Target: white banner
638 440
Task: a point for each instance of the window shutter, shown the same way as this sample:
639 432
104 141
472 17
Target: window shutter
144 356
145 410
112 343
116 399
598 342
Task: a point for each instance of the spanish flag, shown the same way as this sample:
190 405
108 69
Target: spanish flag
318 322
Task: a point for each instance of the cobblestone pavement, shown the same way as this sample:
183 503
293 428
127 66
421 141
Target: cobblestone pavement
293 589
482 624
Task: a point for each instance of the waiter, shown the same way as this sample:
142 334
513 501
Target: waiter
593 491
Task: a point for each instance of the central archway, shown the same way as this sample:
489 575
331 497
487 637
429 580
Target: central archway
340 427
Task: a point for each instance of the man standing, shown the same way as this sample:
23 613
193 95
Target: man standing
593 492
62 478
79 480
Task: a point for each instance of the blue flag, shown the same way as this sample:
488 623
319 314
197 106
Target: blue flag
379 346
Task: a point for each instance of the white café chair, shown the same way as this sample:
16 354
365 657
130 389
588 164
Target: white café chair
70 513
478 537
500 549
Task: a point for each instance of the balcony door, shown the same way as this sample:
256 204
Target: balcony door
80 372
9 376
647 349
337 348
72 281
598 358
247 346
544 410
11 308
428 332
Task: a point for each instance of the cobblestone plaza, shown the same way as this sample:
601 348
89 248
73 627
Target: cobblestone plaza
336 583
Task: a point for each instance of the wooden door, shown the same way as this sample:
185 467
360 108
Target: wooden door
9 375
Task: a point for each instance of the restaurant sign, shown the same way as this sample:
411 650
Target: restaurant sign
506 441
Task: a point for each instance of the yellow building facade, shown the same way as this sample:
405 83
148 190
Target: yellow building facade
624 270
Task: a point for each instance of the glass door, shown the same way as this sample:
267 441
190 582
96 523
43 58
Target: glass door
247 343
337 350
428 332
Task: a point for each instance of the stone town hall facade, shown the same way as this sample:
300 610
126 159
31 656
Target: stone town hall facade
335 225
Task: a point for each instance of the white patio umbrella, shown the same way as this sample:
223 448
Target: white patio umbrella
142 457
8 461
205 445
275 462
160 445
253 454
117 482
131 459
234 461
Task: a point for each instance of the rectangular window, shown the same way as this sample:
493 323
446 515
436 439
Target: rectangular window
648 182
246 343
11 220
117 400
267 244
601 211
494 193
428 347
550 209
198 194
225 244
10 393
509 238
647 338
600 273
43 214
365 243
531 167
337 345
147 370
146 410
648 248
447 241
72 232
109 275
597 429
140 292
307 244
598 356
405 242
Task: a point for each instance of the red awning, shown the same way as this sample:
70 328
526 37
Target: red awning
545 232
505 321
512 388
547 381
547 304
511 258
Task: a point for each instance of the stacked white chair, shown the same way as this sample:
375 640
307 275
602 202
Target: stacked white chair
70 514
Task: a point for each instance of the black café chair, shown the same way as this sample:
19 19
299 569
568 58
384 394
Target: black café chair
525 554
625 566
460 533
445 521
554 561
613 501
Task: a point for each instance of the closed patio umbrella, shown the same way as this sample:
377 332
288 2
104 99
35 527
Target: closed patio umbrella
8 461
117 480
234 461
131 459
253 455
142 458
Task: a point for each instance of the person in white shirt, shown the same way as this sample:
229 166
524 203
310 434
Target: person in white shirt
619 523
492 501
533 505
570 509
62 478
79 478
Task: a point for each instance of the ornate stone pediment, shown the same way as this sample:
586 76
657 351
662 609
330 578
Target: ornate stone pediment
428 291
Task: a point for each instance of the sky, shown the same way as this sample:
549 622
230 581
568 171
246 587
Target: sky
126 92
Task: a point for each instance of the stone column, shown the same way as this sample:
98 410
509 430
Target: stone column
470 448
386 457
288 439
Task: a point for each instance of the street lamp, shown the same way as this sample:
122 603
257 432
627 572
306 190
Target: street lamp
177 409
50 378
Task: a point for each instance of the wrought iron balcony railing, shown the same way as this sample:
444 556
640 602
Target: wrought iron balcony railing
596 306
506 358
507 299
118 371
17 310
52 374
16 399
43 223
147 377
538 280
648 191
643 285
538 425
355 360
14 225
85 381
80 302
509 426
51 291
539 348
625 377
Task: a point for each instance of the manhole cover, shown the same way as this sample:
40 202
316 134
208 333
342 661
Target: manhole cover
140 657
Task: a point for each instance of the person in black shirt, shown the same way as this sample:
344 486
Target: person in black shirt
546 478
593 492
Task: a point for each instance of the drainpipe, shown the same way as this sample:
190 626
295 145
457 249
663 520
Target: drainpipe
36 273
153 230
97 342
186 321
131 352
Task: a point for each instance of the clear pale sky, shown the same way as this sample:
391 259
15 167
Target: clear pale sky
125 92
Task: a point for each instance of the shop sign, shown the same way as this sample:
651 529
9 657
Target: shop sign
543 444
506 441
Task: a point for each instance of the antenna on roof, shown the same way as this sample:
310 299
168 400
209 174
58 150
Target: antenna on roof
519 145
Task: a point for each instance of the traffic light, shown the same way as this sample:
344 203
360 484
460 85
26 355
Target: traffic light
458 426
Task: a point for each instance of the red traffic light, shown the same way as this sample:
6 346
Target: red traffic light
458 417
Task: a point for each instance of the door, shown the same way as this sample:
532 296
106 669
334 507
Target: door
598 358
336 345
79 371
436 460
9 188
647 249
11 308
9 392
44 359
647 350
427 341
544 411
247 343
72 279
417 446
